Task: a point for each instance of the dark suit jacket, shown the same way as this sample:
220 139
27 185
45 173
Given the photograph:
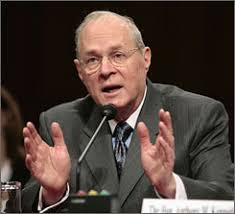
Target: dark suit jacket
201 145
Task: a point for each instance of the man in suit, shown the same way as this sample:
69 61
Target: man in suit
178 141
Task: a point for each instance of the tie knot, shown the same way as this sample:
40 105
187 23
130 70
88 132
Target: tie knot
122 131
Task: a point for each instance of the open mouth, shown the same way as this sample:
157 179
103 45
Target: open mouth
111 89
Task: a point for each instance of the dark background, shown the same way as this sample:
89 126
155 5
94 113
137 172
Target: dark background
192 45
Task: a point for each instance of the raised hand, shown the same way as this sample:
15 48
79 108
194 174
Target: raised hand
158 159
49 165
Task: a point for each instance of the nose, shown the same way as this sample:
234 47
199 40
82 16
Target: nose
106 68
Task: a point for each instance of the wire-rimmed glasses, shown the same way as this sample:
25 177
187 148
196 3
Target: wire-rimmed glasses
117 58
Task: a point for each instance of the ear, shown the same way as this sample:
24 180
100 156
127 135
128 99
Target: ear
147 58
78 67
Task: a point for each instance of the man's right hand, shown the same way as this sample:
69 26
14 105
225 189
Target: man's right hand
49 165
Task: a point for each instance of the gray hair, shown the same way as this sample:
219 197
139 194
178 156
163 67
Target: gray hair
96 14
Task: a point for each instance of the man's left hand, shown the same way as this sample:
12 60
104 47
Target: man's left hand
158 159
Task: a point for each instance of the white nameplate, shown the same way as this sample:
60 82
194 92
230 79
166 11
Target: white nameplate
186 206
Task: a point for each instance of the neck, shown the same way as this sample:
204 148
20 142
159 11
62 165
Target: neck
124 113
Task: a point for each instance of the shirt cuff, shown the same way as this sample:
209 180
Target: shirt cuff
42 209
180 192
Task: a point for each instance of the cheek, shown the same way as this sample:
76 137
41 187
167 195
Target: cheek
88 82
136 74
92 86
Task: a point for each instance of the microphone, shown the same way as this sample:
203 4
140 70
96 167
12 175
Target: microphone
108 112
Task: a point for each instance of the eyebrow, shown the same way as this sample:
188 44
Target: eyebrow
94 52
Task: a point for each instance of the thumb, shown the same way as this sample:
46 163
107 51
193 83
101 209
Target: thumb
57 134
143 134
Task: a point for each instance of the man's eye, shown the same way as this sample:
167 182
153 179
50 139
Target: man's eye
92 60
119 56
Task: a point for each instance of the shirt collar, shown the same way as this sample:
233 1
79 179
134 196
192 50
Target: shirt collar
133 117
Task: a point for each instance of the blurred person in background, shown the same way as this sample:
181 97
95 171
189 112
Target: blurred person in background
12 151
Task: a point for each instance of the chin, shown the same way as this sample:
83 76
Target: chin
118 103
106 102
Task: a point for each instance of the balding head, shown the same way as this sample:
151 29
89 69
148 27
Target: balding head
107 16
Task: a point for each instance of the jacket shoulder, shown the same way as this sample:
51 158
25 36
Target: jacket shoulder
172 93
81 106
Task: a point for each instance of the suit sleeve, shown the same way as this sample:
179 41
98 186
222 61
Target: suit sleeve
209 154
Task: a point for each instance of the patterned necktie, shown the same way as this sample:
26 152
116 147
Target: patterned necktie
121 133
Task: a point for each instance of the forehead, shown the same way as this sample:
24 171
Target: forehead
104 33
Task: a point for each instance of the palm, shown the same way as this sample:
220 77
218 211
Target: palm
49 165
53 166
158 159
155 162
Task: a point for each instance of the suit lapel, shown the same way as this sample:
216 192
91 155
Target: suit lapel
133 170
100 157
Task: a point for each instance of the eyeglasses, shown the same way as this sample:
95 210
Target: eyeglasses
91 64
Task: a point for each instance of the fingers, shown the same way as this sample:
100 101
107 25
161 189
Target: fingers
34 166
166 134
33 144
31 132
165 117
29 148
165 127
166 152
31 139
29 162
57 134
143 134
165 138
